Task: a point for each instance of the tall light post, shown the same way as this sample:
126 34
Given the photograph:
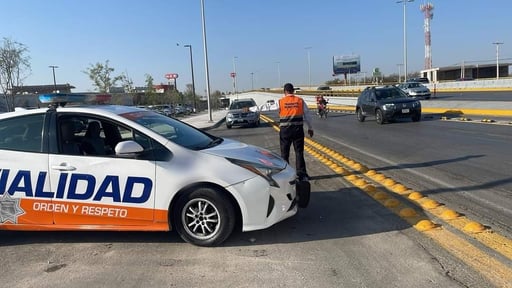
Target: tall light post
234 76
192 71
399 72
54 81
252 81
206 62
405 37
309 65
278 74
497 58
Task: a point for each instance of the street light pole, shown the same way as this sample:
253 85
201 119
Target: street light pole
54 81
405 38
252 81
399 72
309 65
278 74
206 62
234 76
192 70
497 58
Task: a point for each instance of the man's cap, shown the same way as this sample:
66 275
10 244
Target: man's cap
288 87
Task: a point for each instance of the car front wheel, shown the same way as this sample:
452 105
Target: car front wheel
204 217
360 116
379 116
416 117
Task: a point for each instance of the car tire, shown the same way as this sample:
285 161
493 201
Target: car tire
360 116
416 117
379 116
204 217
229 126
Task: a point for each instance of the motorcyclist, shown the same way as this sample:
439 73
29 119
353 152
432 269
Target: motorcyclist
321 102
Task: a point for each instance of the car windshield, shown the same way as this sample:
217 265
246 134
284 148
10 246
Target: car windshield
414 85
386 94
241 105
174 130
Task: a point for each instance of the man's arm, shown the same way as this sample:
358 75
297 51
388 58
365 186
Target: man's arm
307 116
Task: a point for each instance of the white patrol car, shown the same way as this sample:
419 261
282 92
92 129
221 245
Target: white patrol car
108 167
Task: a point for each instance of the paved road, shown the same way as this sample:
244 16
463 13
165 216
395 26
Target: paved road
484 109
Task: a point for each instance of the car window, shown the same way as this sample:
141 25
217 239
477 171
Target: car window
242 104
92 136
22 133
173 130
386 94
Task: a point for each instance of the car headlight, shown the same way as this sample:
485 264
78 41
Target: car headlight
262 170
390 106
229 115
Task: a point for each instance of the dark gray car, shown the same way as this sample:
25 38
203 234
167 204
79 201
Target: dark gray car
387 103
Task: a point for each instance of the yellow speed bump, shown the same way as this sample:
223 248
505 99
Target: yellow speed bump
390 203
399 188
351 177
380 195
379 177
430 204
360 182
415 195
360 167
449 214
408 212
474 227
424 225
370 188
370 173
389 182
341 170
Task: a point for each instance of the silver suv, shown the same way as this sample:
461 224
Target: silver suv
415 89
243 112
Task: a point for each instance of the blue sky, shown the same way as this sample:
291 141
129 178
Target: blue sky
139 37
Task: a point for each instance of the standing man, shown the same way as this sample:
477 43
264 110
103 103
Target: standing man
293 112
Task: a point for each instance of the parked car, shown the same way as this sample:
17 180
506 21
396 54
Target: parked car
465 79
166 110
154 173
387 103
415 89
243 112
420 79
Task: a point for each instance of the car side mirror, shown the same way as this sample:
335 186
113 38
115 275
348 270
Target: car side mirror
128 149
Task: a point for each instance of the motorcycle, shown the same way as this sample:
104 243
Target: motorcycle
323 110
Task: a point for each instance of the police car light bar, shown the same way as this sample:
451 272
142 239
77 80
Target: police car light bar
62 99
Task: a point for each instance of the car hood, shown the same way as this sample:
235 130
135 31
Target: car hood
398 100
237 150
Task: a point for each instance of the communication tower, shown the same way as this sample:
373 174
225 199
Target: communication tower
427 11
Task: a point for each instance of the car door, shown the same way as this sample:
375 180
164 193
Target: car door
104 190
25 194
368 103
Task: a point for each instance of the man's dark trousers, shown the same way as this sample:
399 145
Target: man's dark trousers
289 135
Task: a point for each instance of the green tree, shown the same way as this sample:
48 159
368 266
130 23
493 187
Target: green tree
14 68
101 76
149 96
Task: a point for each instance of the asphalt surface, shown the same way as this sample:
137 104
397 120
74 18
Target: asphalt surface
481 109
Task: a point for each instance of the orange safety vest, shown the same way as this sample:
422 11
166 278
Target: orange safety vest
291 111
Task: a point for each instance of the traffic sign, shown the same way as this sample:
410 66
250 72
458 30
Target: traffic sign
233 74
170 76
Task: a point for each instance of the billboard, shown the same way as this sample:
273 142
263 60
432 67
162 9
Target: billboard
346 64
